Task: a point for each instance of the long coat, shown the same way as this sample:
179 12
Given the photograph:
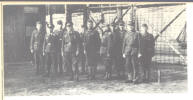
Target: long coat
147 45
92 46
116 43
57 39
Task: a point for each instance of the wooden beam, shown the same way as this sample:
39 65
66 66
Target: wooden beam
96 23
160 33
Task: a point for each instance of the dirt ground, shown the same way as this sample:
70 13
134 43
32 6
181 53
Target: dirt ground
20 80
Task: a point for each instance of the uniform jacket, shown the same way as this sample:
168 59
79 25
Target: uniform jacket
116 43
36 43
147 45
105 43
130 44
71 42
57 39
92 42
47 44
81 49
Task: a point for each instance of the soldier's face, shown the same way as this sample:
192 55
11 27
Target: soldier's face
38 26
90 25
143 30
69 27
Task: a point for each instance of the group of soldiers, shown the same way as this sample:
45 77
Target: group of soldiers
123 50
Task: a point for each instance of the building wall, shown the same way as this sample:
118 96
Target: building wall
18 25
13 21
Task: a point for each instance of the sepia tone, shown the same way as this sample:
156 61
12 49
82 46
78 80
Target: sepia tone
166 22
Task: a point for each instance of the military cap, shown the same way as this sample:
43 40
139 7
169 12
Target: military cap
145 25
69 24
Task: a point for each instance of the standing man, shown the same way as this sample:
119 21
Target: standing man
57 47
147 45
92 49
105 52
36 45
130 52
48 52
122 32
71 43
116 49
81 57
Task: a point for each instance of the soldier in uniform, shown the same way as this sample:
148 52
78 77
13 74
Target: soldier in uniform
105 52
36 45
81 57
116 49
48 52
147 44
92 49
122 32
130 52
71 43
57 47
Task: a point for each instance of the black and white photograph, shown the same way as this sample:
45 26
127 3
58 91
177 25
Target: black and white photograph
87 49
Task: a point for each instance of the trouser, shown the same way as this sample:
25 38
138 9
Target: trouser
57 62
108 65
92 71
131 67
49 61
118 62
92 66
72 65
146 67
37 61
82 62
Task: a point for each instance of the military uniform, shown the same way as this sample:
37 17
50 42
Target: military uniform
81 57
47 49
71 42
130 49
105 52
92 48
36 46
116 51
147 51
57 49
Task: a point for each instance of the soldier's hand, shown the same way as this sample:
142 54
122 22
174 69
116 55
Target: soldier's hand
62 54
124 56
108 54
77 52
32 51
43 53
84 51
139 55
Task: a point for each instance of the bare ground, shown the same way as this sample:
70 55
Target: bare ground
20 79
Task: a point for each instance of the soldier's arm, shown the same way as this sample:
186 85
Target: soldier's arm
79 41
109 44
32 41
98 41
44 44
152 45
62 44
